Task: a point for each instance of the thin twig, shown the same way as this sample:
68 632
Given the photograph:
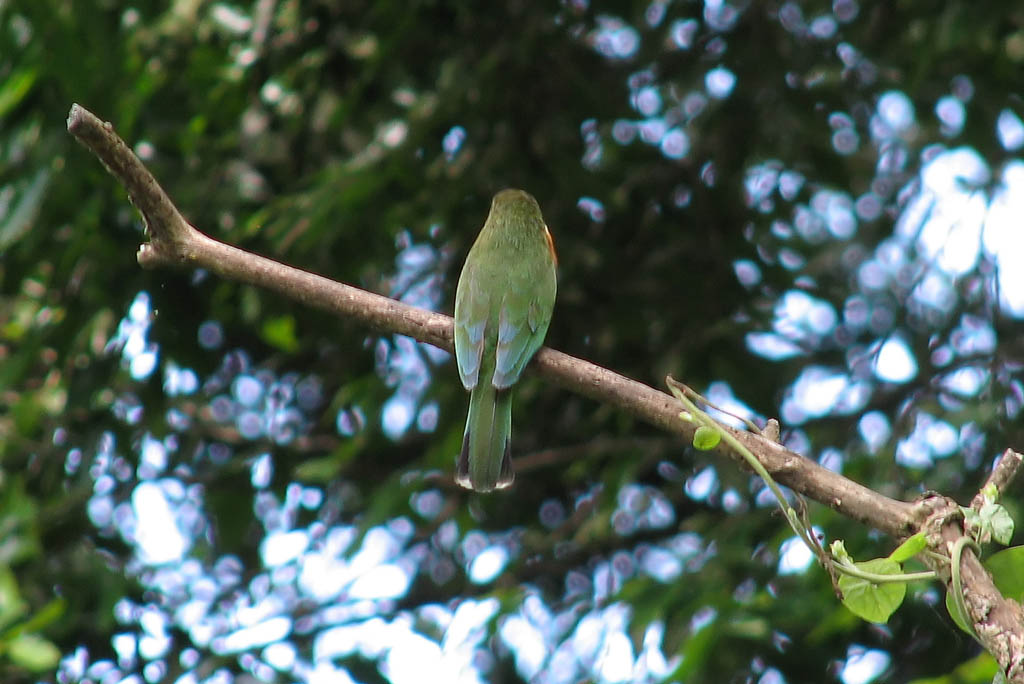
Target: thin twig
1002 475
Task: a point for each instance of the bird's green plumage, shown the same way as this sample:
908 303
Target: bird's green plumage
503 305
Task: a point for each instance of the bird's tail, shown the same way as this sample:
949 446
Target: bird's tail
485 461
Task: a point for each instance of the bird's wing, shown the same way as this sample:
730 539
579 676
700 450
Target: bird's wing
471 309
522 324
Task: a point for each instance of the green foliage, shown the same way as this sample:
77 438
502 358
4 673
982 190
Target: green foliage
15 88
869 600
911 546
992 521
362 140
706 438
20 645
32 653
1007 570
874 589
279 332
982 669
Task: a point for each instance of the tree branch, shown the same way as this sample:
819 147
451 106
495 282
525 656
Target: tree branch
1003 472
174 242
998 622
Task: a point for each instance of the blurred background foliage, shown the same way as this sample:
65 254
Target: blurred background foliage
806 210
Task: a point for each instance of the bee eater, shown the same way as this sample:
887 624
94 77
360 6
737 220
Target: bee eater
503 306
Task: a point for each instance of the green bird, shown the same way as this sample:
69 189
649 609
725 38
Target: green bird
503 305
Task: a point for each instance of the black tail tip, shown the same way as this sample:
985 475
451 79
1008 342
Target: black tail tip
464 478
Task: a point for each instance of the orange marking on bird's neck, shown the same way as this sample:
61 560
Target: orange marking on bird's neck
551 245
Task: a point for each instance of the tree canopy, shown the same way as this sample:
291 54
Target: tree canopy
807 211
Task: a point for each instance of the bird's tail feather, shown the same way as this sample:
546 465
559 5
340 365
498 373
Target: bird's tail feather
485 462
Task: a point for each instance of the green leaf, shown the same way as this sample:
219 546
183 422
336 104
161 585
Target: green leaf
997 519
43 617
318 470
961 620
908 549
838 549
12 606
33 652
993 521
980 669
280 332
14 88
870 601
706 438
27 201
1007 568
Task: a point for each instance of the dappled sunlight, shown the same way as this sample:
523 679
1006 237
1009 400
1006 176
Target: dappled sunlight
795 557
333 582
593 645
138 353
402 362
863 665
339 585
952 239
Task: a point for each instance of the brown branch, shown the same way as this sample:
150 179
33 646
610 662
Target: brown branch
998 622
